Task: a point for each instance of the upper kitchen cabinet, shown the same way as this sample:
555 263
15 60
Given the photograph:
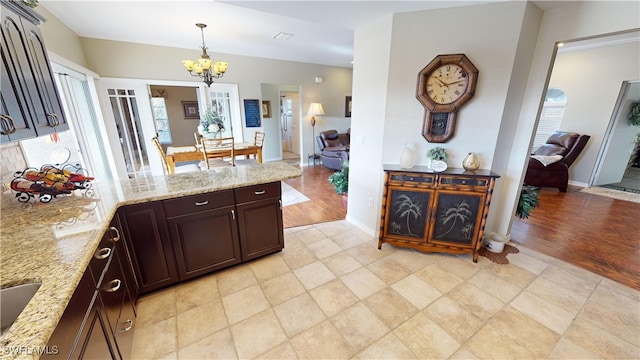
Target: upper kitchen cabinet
29 101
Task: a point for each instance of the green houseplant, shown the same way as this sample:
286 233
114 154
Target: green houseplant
527 202
340 182
437 153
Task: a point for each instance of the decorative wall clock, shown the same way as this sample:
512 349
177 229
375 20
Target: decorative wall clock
444 86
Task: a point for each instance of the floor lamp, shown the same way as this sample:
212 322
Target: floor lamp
314 109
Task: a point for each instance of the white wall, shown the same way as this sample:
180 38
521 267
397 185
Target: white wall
487 34
591 79
573 21
372 46
500 39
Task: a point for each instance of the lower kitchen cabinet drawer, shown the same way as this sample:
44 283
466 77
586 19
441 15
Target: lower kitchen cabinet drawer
196 203
258 192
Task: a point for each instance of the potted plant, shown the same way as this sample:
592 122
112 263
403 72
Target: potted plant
527 202
438 157
211 122
340 182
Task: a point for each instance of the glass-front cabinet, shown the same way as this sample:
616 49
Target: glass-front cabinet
435 212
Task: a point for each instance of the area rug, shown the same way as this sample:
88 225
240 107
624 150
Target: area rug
615 194
291 196
499 258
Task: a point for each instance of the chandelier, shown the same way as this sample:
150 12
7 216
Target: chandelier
202 67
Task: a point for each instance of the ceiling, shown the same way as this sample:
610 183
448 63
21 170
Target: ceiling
322 30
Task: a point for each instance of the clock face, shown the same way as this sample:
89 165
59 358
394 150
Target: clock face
447 84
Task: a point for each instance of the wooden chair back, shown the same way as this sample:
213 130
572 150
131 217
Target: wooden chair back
259 139
163 156
218 148
198 137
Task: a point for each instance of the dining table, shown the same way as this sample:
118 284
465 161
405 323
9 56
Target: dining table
177 154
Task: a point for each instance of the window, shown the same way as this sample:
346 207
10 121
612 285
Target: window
551 116
161 119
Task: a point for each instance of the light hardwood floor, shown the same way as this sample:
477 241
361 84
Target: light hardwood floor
593 232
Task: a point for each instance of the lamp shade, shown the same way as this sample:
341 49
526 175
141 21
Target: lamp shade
315 109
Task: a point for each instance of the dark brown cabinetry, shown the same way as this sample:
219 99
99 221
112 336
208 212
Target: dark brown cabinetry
435 212
30 103
179 239
145 231
260 220
203 232
99 319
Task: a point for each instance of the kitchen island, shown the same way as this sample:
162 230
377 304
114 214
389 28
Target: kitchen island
53 243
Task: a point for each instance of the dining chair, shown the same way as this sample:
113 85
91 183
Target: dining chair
215 150
258 140
178 169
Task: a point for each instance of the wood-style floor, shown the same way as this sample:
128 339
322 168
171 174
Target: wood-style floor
593 232
324 205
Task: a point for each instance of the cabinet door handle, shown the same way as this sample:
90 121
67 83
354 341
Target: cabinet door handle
117 237
260 192
129 326
280 202
201 203
233 214
9 126
114 285
6 127
56 121
103 253
13 124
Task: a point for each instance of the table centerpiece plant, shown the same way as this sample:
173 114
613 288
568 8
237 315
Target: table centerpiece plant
211 123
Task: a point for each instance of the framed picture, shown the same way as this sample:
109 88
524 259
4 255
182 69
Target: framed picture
347 106
252 112
266 109
190 109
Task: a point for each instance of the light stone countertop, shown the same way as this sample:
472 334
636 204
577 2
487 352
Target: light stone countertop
53 242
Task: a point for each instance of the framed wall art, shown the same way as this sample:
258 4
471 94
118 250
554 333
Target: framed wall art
252 112
266 109
190 109
347 106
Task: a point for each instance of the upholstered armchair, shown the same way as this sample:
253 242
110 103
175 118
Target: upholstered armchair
334 148
549 164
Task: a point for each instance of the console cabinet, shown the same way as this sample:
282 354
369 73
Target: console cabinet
30 105
435 212
178 239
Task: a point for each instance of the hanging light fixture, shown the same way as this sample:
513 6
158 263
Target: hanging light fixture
202 67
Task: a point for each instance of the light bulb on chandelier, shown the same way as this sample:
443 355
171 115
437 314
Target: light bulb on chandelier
202 67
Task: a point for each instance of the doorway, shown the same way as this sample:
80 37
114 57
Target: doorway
617 167
289 125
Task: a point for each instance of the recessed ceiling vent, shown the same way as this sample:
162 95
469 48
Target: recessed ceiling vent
282 36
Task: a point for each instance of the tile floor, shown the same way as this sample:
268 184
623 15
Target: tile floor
331 294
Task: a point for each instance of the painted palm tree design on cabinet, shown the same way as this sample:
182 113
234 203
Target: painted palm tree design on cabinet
454 217
407 214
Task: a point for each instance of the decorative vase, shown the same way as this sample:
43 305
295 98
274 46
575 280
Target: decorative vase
471 163
406 157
